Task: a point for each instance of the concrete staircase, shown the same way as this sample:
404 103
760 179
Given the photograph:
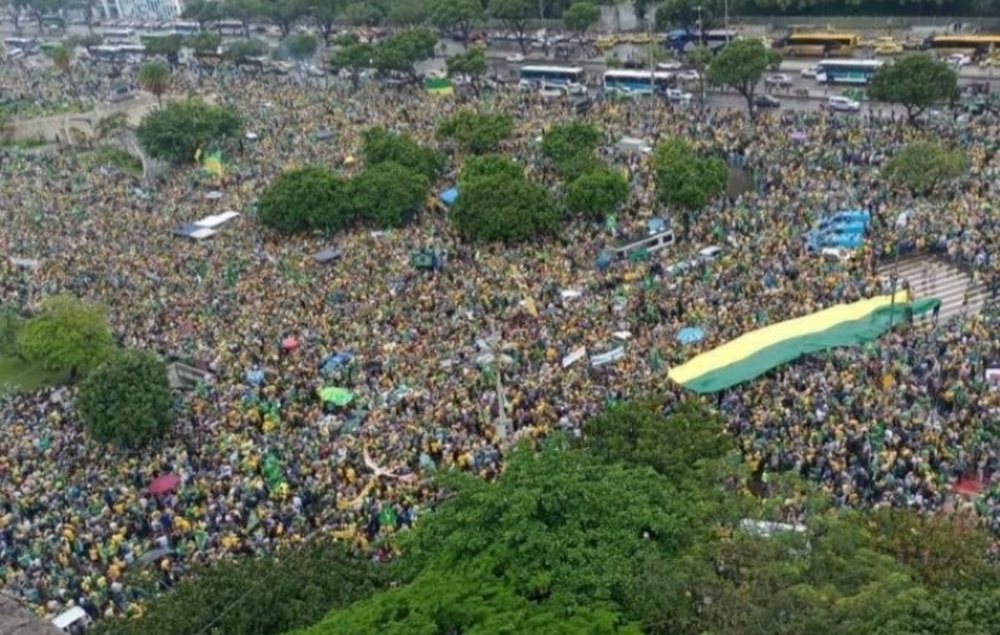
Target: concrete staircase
931 277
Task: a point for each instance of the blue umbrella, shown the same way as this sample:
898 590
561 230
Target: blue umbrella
449 196
690 335
604 260
255 377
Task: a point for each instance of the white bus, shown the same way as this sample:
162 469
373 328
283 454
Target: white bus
637 82
229 27
570 78
847 71
186 28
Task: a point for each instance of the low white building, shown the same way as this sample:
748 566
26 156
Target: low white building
142 9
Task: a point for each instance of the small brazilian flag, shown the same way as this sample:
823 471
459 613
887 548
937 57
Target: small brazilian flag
439 86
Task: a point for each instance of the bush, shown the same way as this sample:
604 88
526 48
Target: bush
488 165
505 209
568 141
378 145
306 199
388 194
271 595
66 335
596 194
476 132
126 400
174 132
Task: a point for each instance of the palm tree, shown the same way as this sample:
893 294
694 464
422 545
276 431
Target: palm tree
155 78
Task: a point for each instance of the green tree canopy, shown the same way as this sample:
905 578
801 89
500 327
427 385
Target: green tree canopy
247 48
916 82
402 51
126 400
378 145
557 537
204 42
166 45
596 194
566 142
387 194
409 13
740 65
301 46
580 17
487 165
924 166
67 334
354 58
686 180
270 595
306 199
174 132
457 15
363 14
684 14
471 63
502 208
514 16
476 132
675 445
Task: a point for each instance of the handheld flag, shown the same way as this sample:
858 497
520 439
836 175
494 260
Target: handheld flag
213 164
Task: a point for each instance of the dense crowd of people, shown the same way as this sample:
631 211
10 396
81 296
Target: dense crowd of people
892 423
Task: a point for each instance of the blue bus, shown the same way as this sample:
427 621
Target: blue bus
547 76
683 40
637 82
847 71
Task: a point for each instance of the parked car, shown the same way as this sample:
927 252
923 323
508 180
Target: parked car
779 80
958 60
690 75
669 66
678 95
841 104
810 72
765 101
886 46
516 58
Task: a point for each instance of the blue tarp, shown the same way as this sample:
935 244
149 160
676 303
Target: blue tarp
449 196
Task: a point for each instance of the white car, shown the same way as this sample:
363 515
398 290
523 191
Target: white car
669 66
678 95
841 104
689 75
810 72
517 58
958 60
778 80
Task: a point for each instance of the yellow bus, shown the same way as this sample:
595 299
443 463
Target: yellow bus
975 46
819 44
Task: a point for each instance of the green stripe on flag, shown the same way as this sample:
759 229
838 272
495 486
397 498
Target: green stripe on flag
733 364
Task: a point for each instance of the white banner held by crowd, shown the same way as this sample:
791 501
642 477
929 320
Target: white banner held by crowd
574 357
606 358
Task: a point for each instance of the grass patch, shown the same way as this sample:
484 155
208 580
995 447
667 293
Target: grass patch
25 376
24 144
116 157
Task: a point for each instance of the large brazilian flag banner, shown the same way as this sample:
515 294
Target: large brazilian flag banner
757 352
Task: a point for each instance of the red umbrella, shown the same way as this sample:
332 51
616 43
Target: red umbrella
164 484
289 343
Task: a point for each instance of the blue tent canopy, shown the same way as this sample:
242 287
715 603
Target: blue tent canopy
449 196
